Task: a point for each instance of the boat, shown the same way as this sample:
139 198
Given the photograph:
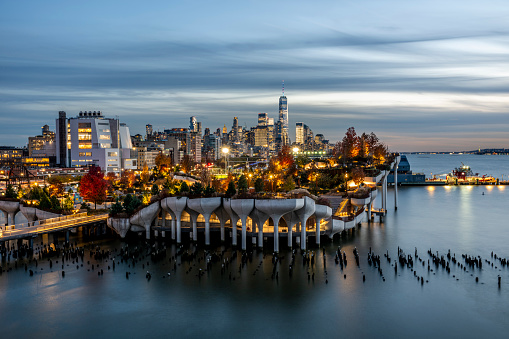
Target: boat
463 172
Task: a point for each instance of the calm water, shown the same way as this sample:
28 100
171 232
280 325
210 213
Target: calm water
461 219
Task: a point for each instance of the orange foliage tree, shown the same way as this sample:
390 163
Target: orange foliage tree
93 186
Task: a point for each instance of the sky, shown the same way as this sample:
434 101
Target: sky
422 75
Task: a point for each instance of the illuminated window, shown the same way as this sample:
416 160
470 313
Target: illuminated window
85 146
85 154
104 137
112 154
84 136
105 130
84 130
105 145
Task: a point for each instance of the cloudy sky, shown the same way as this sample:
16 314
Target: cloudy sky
423 75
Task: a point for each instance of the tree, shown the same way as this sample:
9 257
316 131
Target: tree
116 208
145 175
155 189
55 204
242 184
258 185
289 184
208 191
196 189
358 176
163 162
10 193
184 188
205 176
111 177
93 186
350 144
187 164
231 189
67 204
127 179
131 203
44 203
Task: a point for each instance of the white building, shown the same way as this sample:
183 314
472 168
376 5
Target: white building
96 140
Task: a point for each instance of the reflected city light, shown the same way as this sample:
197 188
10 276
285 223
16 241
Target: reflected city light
447 187
501 187
489 187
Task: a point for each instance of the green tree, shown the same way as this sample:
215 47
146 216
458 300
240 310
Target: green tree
289 184
155 189
44 203
55 203
116 208
209 190
196 188
231 189
242 184
131 203
258 185
67 204
184 188
10 193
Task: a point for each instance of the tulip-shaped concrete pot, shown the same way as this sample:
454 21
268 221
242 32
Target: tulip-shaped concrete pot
10 208
29 212
194 220
145 217
276 208
119 225
291 219
304 213
205 207
175 205
243 207
233 217
223 217
259 218
321 212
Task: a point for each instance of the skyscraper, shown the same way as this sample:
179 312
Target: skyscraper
299 133
282 134
193 124
148 129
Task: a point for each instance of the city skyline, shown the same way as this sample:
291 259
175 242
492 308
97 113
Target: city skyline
424 76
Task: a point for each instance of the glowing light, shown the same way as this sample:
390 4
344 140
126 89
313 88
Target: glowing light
489 187
431 188
447 187
501 187
295 150
225 150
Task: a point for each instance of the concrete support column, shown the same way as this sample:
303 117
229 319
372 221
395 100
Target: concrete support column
55 238
234 231
290 236
244 233
260 235
179 231
10 218
31 243
276 235
163 234
207 230
303 234
67 236
173 223
221 230
147 233
317 230
156 233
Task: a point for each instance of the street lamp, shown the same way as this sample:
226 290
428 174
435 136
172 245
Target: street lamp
295 150
225 152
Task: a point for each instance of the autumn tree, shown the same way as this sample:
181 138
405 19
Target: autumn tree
145 175
205 176
187 164
93 186
127 179
163 162
358 176
242 184
349 147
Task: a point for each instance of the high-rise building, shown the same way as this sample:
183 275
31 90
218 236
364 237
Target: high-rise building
235 130
92 139
62 136
263 119
299 133
148 129
283 119
193 124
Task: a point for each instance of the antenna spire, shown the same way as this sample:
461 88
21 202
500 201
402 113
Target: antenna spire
283 87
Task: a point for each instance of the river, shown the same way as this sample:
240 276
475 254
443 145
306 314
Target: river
337 302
